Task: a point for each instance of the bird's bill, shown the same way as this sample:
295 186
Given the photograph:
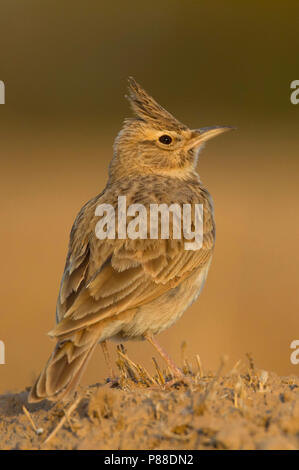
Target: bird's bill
206 133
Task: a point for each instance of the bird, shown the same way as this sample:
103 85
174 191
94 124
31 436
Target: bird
134 288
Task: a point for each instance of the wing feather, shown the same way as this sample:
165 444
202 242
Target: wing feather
104 278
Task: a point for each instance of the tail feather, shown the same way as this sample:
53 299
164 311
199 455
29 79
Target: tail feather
63 370
70 357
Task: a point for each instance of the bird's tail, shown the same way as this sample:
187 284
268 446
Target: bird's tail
65 366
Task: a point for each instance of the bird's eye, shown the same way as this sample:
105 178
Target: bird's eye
165 139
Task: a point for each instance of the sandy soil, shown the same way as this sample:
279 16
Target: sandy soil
245 409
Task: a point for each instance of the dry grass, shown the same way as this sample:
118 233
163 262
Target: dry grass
245 409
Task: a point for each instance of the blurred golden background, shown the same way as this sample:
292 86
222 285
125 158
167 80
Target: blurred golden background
65 66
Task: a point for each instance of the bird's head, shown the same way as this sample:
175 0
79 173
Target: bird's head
155 142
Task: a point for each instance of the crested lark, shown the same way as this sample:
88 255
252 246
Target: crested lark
126 288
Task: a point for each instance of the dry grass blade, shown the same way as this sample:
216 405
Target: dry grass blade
159 372
171 435
183 353
187 369
131 371
201 405
145 376
130 366
28 415
199 365
63 420
235 369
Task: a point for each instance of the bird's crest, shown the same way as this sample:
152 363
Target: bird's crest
147 109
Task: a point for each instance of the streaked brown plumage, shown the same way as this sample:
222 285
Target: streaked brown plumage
130 289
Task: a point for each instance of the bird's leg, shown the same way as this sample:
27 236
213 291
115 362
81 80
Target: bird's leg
108 359
173 367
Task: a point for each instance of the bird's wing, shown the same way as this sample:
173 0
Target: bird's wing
103 278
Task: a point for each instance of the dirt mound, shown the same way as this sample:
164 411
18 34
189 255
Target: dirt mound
246 409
